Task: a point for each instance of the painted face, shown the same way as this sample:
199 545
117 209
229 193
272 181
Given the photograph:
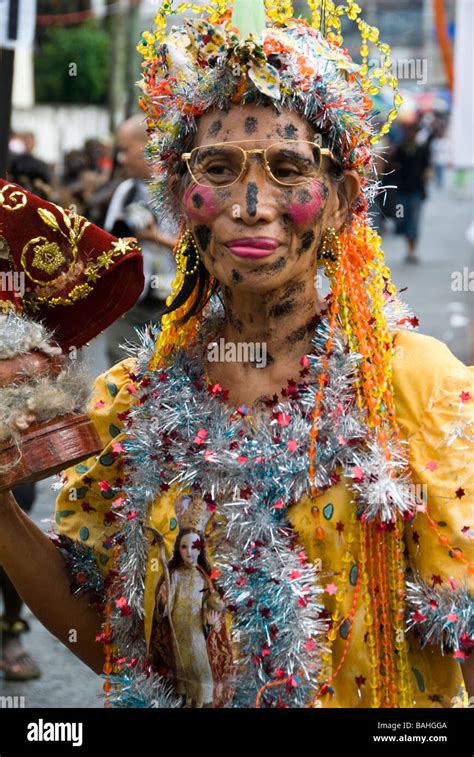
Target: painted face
189 548
257 232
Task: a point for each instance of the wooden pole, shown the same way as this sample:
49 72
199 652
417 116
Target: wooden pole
7 60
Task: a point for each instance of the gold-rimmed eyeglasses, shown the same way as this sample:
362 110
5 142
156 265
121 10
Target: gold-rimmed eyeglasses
288 162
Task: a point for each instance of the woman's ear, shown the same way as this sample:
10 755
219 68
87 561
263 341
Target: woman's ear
347 191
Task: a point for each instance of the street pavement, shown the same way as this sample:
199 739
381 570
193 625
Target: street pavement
443 313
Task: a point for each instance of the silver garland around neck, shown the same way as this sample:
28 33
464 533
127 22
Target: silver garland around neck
277 601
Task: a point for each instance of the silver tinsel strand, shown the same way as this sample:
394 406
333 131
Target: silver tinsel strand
443 616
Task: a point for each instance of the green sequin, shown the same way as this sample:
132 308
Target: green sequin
353 575
328 511
419 679
344 629
113 389
63 514
107 459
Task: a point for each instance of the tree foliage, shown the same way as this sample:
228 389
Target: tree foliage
72 65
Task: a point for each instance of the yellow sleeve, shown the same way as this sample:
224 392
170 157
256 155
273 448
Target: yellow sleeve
85 522
435 403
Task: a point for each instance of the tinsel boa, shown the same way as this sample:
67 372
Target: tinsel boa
179 432
444 617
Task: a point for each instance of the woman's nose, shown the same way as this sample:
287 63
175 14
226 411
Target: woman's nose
255 195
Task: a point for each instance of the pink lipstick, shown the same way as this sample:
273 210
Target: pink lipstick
253 247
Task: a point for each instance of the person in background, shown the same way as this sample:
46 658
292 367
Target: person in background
411 163
129 215
29 171
440 153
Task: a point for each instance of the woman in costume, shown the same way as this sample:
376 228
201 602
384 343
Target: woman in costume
338 478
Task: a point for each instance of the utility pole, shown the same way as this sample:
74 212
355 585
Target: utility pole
133 61
118 35
7 60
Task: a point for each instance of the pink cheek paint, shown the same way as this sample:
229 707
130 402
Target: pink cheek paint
307 205
200 203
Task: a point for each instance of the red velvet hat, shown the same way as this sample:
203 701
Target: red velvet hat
61 269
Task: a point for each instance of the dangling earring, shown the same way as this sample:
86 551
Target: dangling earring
185 244
330 252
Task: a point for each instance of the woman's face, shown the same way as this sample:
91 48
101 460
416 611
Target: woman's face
287 221
189 549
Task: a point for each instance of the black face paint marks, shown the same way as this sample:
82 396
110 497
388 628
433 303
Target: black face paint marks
282 308
235 322
307 241
203 236
198 200
223 194
304 196
294 287
215 128
250 125
252 198
300 334
289 131
269 268
236 276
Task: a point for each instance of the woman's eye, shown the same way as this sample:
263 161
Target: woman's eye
286 171
219 171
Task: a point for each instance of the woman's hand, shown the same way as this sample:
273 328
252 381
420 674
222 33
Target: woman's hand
23 368
163 593
213 619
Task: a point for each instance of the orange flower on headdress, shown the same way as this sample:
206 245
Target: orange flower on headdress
274 46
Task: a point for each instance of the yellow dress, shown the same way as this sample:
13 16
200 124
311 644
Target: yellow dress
434 398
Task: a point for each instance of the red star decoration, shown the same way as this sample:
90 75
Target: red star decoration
460 492
416 537
436 580
87 507
339 527
465 396
418 617
360 680
465 530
